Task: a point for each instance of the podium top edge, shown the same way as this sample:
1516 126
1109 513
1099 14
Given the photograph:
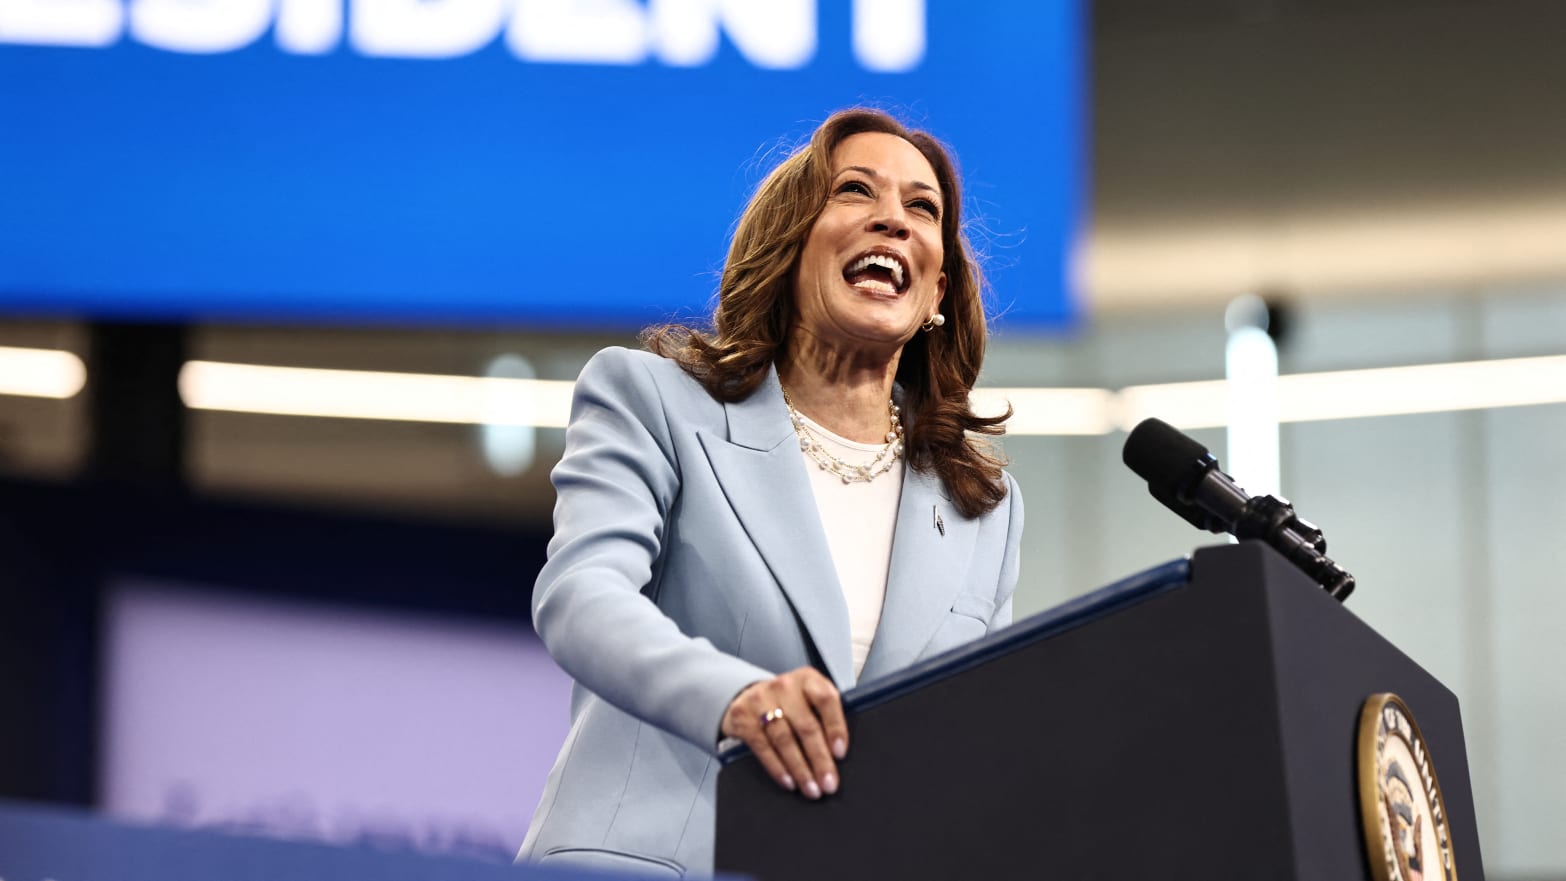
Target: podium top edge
1047 624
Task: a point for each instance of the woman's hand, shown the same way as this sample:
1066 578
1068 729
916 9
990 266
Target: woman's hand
794 724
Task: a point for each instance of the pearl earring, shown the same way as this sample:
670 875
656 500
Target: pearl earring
933 322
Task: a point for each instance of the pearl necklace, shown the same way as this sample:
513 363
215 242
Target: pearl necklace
811 444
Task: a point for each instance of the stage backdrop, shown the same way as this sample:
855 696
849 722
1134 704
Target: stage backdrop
565 162
314 721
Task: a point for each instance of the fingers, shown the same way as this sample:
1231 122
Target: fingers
748 718
795 726
828 707
771 761
782 735
810 740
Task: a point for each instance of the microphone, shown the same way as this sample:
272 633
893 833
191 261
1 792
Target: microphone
1184 477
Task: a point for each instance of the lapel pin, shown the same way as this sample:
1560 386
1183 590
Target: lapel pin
939 523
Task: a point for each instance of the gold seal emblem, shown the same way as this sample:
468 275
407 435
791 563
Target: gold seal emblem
1400 800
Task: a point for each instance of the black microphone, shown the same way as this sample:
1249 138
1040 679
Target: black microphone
1184 477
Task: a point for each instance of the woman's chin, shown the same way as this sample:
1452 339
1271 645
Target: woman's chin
887 335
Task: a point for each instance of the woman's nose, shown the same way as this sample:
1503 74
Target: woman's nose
891 220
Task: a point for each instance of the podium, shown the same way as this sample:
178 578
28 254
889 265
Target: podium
1199 720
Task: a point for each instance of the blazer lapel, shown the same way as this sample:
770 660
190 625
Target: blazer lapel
760 471
930 550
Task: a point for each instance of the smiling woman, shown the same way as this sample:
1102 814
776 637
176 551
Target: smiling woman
754 517
774 278
870 272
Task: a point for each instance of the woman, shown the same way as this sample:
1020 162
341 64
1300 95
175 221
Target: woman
753 519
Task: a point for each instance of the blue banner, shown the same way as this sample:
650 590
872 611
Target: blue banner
522 162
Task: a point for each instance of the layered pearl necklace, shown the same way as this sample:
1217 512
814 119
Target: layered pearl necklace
811 444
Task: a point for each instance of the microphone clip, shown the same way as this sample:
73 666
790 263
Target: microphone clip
1274 521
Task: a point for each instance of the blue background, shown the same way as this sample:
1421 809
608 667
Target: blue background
263 186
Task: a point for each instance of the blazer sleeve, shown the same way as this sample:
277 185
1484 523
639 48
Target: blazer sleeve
1011 561
615 485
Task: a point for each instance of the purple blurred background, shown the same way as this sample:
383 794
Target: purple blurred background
307 720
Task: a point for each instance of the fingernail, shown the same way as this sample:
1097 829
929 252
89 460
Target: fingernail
839 748
829 784
812 791
788 782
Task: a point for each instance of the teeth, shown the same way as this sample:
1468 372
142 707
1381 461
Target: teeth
885 261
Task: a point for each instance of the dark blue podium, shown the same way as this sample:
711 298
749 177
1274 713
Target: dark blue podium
1199 720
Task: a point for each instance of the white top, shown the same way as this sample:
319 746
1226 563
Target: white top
859 519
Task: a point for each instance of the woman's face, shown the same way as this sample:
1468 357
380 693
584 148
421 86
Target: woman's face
870 271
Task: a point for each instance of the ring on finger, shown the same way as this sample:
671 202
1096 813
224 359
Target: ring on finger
771 716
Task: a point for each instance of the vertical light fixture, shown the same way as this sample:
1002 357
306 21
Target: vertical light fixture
1251 371
508 440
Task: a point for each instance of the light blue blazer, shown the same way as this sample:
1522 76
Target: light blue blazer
689 561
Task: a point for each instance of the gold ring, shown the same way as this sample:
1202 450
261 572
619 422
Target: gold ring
771 715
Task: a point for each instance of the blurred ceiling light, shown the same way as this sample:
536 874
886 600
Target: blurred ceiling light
1424 388
1356 394
1302 397
1252 448
1070 411
40 373
509 435
1251 451
1201 404
365 394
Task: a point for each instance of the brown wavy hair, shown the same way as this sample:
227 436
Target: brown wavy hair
755 310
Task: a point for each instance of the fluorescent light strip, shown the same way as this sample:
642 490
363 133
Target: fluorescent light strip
1050 411
366 394
1425 388
40 373
1203 404
1356 394
1305 397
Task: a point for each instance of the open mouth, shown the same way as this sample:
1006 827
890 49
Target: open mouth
881 272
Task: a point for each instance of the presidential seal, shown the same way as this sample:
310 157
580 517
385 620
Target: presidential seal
1400 801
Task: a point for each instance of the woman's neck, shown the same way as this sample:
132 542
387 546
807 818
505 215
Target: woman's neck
844 392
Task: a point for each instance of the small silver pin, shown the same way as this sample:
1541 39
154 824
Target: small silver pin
939 523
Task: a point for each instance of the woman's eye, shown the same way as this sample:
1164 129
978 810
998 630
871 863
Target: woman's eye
927 207
854 186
